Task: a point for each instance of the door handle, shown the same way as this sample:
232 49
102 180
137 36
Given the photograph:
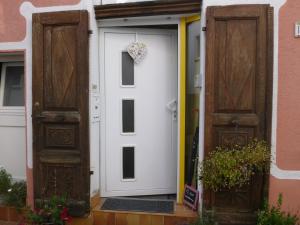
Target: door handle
172 107
235 122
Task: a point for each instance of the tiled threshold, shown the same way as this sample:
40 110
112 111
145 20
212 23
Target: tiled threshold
181 216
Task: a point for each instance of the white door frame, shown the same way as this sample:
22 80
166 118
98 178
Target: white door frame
139 21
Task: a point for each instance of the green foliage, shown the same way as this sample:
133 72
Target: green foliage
227 168
13 193
275 216
5 181
16 195
52 211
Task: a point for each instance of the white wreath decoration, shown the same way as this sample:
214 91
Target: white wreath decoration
137 51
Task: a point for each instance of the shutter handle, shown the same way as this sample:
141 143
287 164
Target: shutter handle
39 116
235 122
60 117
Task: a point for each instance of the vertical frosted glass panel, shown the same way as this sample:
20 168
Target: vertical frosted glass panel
127 69
197 46
14 86
128 116
128 163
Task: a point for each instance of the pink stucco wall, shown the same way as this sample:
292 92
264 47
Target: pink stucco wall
12 23
290 193
288 129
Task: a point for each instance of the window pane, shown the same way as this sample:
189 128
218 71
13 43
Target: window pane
14 86
198 46
127 69
128 163
128 116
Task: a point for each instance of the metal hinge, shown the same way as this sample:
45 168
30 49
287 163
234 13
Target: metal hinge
91 172
90 32
204 28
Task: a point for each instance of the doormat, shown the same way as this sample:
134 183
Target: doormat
138 205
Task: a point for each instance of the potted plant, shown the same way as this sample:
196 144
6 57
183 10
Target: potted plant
50 212
229 168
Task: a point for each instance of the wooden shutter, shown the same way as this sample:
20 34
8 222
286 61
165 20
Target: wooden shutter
60 88
237 48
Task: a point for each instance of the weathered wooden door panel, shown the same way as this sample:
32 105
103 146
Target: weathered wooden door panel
236 90
60 106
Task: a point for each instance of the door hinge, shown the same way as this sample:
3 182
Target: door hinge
91 172
204 29
90 32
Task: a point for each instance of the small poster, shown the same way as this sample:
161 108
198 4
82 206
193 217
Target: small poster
191 197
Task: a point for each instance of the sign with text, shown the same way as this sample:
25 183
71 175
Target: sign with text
191 197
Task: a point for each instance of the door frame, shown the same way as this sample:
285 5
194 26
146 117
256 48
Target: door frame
144 21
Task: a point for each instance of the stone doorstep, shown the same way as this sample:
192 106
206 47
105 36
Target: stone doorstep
181 216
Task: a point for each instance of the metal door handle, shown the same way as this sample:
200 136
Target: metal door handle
172 105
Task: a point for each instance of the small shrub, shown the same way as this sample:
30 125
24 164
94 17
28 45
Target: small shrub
229 168
275 216
5 181
13 193
16 195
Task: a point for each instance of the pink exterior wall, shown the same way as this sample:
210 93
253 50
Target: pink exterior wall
288 130
12 23
288 127
290 192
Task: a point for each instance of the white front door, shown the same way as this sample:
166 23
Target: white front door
139 113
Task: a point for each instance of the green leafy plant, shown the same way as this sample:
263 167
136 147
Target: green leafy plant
275 216
13 192
5 181
227 168
53 211
16 195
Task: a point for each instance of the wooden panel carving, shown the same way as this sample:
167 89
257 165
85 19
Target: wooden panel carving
239 198
237 65
229 137
60 74
58 136
60 180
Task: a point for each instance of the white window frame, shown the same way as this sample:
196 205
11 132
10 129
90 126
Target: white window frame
9 109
